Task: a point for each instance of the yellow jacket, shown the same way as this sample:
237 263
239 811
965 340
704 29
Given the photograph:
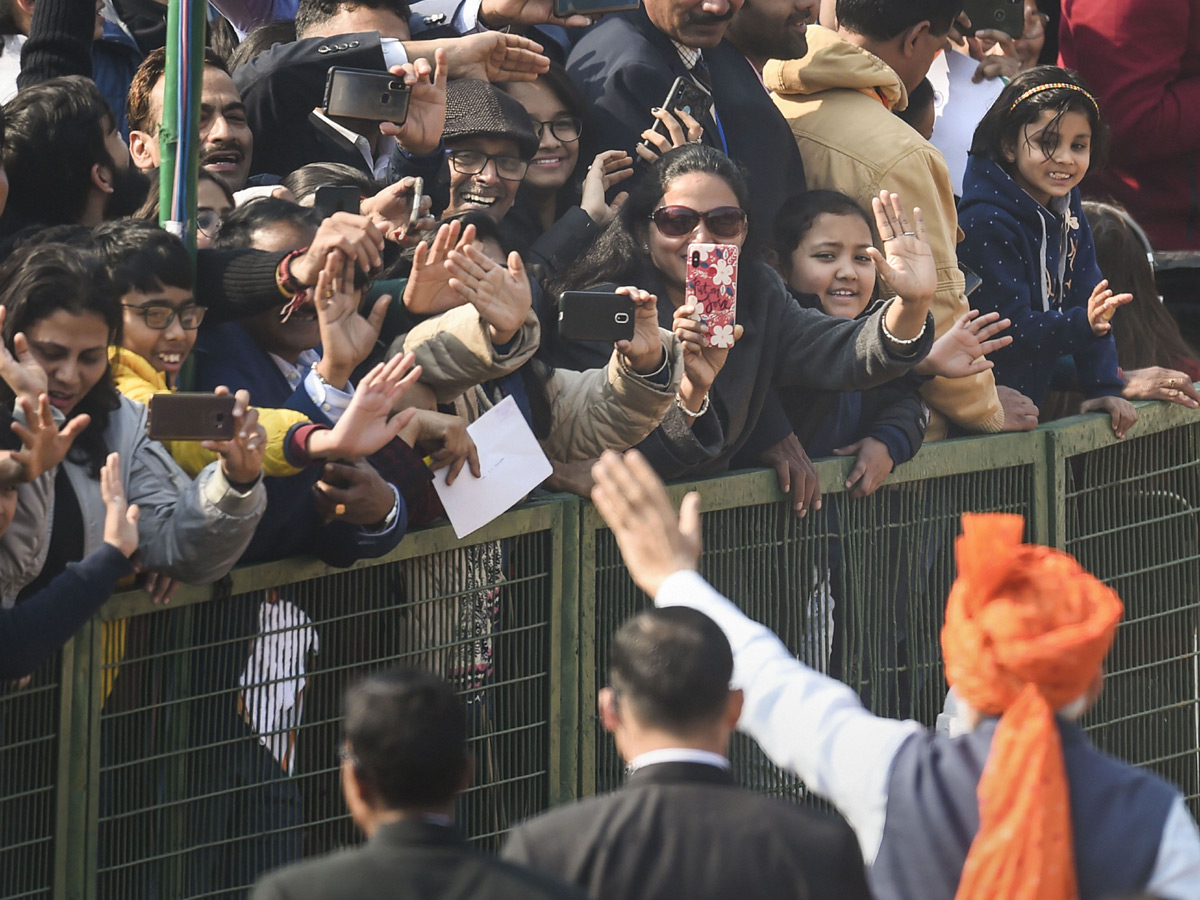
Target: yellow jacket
138 380
838 100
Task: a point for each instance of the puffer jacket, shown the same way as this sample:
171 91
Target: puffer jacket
610 408
839 100
1039 269
190 529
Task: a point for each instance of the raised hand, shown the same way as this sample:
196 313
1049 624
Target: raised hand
499 13
367 424
23 374
1102 305
421 131
242 455
908 267
489 55
346 337
45 446
643 354
681 127
654 541
120 518
961 350
445 439
608 169
500 294
428 290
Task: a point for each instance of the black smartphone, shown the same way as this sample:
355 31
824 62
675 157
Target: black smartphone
331 198
366 94
684 95
564 8
973 281
583 316
191 417
1003 15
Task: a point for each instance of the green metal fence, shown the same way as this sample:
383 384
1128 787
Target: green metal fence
179 751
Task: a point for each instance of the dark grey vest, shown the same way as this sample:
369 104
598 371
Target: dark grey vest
1117 812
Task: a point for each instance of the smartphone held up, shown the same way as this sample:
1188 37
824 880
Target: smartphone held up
191 417
711 287
366 94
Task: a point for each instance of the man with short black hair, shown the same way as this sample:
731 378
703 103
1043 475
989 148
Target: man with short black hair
65 160
681 826
404 760
226 142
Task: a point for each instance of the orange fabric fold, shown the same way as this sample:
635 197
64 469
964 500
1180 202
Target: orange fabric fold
1026 632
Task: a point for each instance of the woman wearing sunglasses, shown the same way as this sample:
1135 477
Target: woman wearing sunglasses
697 194
561 205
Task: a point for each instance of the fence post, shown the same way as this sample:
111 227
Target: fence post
586 685
74 823
564 657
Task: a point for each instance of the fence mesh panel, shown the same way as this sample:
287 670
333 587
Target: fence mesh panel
1132 517
856 589
218 740
29 723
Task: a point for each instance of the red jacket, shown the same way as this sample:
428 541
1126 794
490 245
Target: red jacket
1142 58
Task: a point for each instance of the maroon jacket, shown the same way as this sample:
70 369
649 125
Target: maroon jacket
1142 58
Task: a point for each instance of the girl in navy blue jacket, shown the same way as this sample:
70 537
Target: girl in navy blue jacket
1028 239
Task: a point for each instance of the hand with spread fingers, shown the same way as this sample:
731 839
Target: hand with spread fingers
1102 306
908 267
428 290
24 374
961 351
655 542
501 294
367 424
44 445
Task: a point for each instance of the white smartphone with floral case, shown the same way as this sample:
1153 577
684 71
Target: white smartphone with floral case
712 288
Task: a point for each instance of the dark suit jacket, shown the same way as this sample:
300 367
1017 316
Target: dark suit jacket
686 830
625 66
413 861
282 86
226 354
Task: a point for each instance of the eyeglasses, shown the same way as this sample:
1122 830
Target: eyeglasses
208 221
472 162
160 317
677 221
565 128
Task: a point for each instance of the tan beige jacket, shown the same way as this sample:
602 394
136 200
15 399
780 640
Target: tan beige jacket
612 408
839 100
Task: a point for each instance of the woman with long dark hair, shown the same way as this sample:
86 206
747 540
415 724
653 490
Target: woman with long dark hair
695 194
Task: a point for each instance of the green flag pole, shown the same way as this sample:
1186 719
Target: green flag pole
179 135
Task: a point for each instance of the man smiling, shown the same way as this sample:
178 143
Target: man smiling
490 140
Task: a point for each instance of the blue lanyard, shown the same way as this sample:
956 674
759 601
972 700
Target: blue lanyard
720 129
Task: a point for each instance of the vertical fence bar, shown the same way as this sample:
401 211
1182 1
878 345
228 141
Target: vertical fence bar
565 718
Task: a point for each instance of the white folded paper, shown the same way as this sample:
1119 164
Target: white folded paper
511 464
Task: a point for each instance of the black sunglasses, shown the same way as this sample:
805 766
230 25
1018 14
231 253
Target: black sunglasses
677 221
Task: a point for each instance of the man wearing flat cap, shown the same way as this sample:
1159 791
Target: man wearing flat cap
489 140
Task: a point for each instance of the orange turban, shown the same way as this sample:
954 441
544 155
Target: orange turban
1026 631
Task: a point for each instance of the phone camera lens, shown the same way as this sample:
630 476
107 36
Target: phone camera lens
385 98
220 417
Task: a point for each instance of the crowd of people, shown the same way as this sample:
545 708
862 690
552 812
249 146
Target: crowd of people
895 196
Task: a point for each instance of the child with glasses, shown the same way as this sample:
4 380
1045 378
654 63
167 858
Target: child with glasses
149 273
